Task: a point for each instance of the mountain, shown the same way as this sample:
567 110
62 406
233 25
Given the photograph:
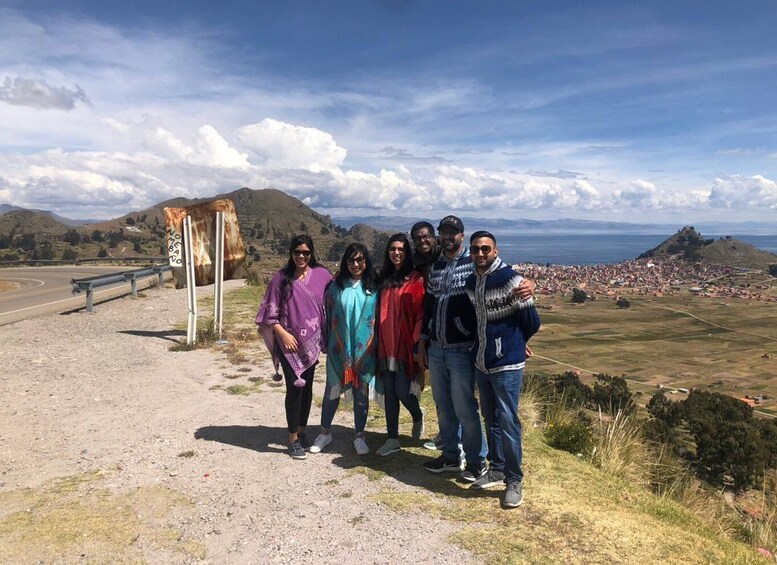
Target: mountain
4 208
20 221
268 219
689 245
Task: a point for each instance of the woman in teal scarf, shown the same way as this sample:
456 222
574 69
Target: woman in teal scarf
351 346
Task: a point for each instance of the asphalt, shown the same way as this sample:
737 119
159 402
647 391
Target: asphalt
45 290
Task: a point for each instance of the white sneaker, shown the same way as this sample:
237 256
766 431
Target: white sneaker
321 442
361 445
391 446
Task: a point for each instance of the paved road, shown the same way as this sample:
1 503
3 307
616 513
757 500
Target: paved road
47 289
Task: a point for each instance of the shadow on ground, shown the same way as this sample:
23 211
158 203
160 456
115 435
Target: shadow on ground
169 335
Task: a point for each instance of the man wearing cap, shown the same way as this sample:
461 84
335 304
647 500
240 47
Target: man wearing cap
447 336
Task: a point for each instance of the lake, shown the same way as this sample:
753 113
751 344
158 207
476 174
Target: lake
536 246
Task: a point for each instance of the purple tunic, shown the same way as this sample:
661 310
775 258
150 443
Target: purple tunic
302 316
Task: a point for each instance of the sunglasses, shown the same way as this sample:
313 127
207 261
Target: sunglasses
396 249
356 261
484 249
424 237
300 253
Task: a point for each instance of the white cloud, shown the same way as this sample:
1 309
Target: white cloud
280 144
40 94
743 192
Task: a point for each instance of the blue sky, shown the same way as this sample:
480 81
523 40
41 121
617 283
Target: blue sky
661 112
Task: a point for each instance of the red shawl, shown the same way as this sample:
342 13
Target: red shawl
399 325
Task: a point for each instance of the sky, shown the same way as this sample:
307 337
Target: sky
657 111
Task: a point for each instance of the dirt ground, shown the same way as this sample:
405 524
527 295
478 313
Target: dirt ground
115 449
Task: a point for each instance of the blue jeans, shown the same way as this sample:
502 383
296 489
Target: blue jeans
396 389
361 405
499 394
453 388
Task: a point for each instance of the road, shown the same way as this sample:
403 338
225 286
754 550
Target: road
47 289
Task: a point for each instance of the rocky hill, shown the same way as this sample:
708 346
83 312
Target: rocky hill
689 245
268 219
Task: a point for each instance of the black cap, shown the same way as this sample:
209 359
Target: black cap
451 222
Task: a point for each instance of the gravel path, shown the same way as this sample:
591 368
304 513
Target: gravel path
103 391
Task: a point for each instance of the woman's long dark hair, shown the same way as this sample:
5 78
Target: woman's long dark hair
390 276
369 278
291 267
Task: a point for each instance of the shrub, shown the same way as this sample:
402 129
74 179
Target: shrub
612 394
773 270
574 437
579 296
69 255
622 303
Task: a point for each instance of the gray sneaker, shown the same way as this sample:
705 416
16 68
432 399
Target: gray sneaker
513 495
296 451
488 479
418 427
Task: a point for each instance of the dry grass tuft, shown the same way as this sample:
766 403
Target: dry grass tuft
74 519
622 451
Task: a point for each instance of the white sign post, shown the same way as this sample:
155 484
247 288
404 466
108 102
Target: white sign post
191 292
218 290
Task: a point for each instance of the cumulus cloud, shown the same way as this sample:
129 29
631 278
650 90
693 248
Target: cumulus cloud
38 93
157 164
748 192
280 144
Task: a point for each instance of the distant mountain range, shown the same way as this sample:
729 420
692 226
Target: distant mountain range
403 223
61 219
269 217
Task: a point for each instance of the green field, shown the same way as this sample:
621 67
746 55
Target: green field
674 341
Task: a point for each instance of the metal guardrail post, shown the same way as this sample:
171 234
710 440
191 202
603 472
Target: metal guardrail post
89 300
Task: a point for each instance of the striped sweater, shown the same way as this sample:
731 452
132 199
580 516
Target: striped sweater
449 318
504 322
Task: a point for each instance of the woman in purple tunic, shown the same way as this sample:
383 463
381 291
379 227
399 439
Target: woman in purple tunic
292 321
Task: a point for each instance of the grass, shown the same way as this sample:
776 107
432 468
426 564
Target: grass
78 519
657 341
576 512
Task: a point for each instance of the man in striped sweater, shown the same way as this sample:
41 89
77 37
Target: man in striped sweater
447 336
504 325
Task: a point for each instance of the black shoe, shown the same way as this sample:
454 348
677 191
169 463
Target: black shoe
303 441
296 451
443 465
472 473
488 479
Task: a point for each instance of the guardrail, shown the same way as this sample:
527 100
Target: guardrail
110 260
88 284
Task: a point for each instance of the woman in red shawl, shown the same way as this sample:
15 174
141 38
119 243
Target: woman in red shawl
399 327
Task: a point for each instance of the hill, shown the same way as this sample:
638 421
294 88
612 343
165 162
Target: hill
689 245
22 221
268 219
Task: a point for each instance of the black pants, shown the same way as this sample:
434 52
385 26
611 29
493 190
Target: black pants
298 399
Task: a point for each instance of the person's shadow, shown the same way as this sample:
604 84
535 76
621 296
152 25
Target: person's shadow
405 466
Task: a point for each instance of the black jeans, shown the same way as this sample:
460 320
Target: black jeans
298 399
396 388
